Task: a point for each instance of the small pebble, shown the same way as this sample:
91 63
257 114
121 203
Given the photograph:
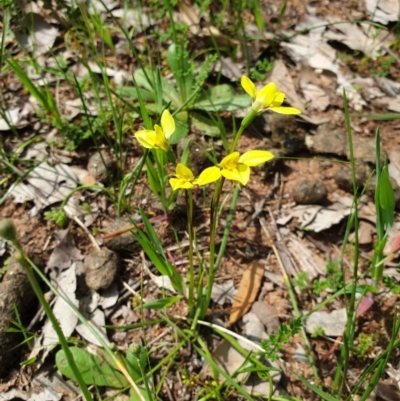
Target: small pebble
308 192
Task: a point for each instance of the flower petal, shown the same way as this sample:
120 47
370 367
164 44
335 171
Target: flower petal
248 86
184 172
232 175
278 100
230 161
244 172
167 123
255 157
178 183
267 94
208 175
147 138
285 110
160 141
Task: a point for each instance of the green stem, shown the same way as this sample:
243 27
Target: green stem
189 210
245 123
213 234
228 226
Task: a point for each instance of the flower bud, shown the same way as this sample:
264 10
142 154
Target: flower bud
7 230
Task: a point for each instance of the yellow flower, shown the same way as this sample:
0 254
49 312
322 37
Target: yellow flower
267 98
208 175
236 167
157 138
183 178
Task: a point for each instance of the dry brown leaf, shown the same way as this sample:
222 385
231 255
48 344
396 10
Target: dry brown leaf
247 291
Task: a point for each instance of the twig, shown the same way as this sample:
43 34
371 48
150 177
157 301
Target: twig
259 206
89 234
291 294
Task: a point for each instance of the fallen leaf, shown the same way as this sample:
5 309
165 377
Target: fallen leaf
247 291
228 359
383 11
97 320
317 218
41 37
65 252
63 313
267 315
281 76
221 293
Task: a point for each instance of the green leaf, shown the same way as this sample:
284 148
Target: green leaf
146 80
182 127
205 125
316 390
94 369
178 61
161 303
386 198
222 98
153 249
136 361
153 178
134 397
130 91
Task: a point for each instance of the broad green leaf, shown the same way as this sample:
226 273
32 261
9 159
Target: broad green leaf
182 127
222 98
131 92
161 303
205 125
94 369
178 60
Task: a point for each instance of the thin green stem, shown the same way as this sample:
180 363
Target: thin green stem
245 123
189 210
213 234
348 336
229 220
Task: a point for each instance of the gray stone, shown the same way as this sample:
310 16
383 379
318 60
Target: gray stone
122 241
100 269
330 139
308 192
100 165
344 180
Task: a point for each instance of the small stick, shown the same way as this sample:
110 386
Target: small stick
259 206
89 234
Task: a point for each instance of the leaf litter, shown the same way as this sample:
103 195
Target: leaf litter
321 82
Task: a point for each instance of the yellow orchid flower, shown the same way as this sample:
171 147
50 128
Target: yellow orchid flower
183 178
236 167
267 98
157 138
